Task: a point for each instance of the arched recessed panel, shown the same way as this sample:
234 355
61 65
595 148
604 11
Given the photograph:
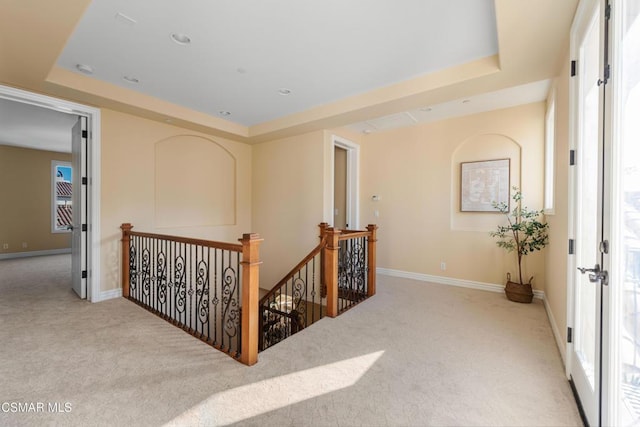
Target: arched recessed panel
195 183
481 148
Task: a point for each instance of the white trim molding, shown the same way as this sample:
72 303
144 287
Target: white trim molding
560 342
450 281
353 180
35 253
107 295
93 114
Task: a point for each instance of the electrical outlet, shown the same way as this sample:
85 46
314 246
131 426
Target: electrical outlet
24 245
443 266
5 246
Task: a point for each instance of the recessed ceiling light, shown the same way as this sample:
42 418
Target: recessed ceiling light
284 91
121 17
426 109
130 79
224 113
466 101
366 131
83 68
181 38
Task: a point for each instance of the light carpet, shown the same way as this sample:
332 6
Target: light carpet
416 354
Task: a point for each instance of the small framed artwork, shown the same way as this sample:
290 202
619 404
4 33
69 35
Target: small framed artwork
483 183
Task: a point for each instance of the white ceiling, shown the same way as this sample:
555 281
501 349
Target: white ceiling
242 52
34 127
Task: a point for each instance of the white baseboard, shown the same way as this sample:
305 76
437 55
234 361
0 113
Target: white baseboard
107 295
491 287
556 332
35 253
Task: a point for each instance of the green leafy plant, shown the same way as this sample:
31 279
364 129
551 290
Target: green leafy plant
525 233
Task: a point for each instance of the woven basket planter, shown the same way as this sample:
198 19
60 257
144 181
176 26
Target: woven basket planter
517 292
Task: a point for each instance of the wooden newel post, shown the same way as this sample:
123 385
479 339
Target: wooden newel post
323 283
126 239
323 229
331 270
371 261
250 296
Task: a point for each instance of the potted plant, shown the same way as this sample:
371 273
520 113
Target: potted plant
525 233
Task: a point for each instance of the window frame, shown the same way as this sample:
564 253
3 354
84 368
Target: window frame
54 197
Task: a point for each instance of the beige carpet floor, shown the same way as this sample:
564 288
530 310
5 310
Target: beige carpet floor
416 354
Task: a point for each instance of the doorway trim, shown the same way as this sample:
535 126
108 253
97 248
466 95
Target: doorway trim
353 183
93 175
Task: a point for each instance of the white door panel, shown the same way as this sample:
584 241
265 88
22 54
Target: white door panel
79 197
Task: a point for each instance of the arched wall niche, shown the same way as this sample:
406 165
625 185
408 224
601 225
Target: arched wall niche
195 183
480 148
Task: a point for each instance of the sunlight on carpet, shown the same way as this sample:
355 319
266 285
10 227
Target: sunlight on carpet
276 393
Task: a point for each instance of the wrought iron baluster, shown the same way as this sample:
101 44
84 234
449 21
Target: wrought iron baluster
215 300
239 299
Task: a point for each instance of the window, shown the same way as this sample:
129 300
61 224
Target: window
61 192
549 153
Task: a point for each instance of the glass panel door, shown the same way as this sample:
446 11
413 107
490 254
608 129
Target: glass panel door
625 369
587 209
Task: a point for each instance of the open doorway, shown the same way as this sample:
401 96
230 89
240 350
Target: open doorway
345 163
47 148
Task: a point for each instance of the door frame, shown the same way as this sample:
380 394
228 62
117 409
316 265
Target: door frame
93 176
604 391
353 183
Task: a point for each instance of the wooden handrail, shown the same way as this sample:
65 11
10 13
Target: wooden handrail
336 283
353 234
180 239
293 271
248 304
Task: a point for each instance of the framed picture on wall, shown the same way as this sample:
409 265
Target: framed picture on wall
482 183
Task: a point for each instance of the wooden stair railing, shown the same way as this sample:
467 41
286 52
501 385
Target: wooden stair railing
209 289
336 275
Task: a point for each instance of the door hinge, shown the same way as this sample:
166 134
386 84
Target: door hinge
572 157
84 227
84 274
571 246
605 78
607 11
573 68
84 134
604 247
569 334
84 180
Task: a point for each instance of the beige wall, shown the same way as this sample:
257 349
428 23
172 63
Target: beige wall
288 201
129 190
414 171
556 253
25 184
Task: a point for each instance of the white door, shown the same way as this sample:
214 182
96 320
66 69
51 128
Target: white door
623 407
588 198
79 206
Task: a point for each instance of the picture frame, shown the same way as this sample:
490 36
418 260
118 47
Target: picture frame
484 182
